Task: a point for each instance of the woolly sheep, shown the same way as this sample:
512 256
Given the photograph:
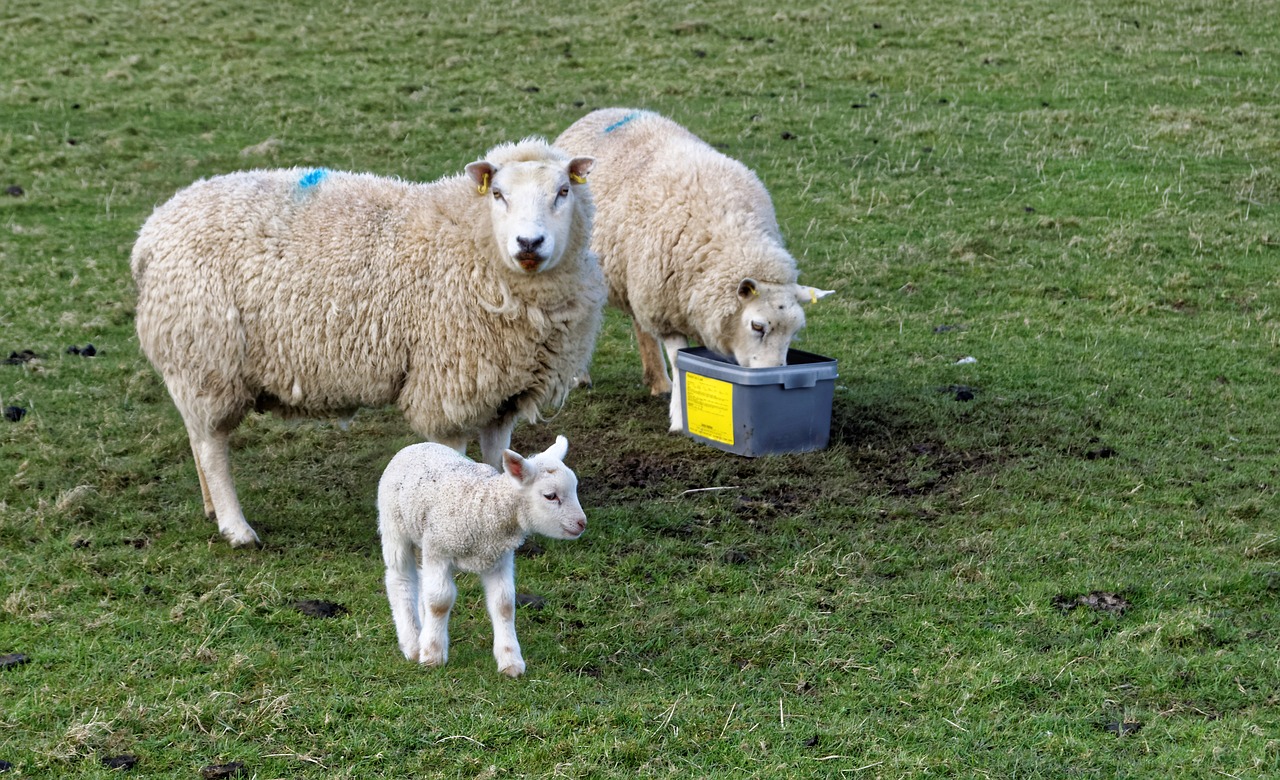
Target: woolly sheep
457 515
689 244
470 302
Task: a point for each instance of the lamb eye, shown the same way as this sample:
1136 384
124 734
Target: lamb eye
758 327
564 192
551 496
497 195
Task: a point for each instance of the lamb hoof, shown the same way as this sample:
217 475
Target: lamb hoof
514 670
245 538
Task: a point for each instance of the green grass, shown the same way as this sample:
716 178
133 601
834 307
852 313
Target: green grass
1084 197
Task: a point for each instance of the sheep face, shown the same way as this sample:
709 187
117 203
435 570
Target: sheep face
549 491
532 207
769 316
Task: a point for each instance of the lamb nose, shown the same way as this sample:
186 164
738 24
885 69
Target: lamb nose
529 244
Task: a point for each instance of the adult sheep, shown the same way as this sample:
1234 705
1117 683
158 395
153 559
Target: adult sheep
470 302
689 244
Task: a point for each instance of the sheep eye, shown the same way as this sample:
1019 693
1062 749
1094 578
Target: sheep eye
758 327
497 195
551 496
564 192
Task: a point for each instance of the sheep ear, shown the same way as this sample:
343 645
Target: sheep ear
810 294
579 167
514 465
559 449
482 173
747 288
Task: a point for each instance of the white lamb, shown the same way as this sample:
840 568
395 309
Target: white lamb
689 244
470 302
452 514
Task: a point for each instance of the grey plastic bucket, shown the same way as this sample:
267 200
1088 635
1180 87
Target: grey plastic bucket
757 411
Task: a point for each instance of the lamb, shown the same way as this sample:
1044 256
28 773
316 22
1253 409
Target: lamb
470 303
689 244
458 515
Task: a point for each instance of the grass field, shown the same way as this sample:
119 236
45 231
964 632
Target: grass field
1072 574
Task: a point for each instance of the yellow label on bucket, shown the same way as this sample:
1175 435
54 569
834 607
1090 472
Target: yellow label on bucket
708 408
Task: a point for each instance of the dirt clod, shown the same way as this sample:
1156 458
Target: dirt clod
124 761
1123 727
13 659
530 601
1098 600
319 609
222 771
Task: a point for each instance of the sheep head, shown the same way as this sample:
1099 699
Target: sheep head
769 316
549 492
532 190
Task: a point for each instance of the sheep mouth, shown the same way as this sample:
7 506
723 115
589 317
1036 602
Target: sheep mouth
529 261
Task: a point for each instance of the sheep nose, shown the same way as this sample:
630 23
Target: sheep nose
530 244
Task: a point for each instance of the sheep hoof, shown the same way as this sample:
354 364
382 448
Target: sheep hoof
514 670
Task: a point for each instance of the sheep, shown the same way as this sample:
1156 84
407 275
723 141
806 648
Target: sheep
470 303
457 515
689 244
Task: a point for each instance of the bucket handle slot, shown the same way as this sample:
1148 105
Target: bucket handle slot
799 381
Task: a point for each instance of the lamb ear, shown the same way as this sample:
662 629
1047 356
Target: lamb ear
747 288
482 173
810 294
579 167
559 449
514 465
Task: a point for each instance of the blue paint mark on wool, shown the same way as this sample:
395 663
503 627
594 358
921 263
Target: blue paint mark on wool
629 117
312 179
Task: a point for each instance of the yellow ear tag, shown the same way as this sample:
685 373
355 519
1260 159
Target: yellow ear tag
755 292
813 295
576 179
484 185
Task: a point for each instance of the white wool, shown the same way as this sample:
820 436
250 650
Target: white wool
314 292
689 244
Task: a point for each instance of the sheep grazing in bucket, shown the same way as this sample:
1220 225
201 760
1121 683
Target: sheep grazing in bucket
690 245
470 303
439 513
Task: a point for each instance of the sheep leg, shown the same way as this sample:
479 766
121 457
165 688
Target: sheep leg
402 592
674 344
500 599
436 594
213 463
494 438
204 483
655 366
